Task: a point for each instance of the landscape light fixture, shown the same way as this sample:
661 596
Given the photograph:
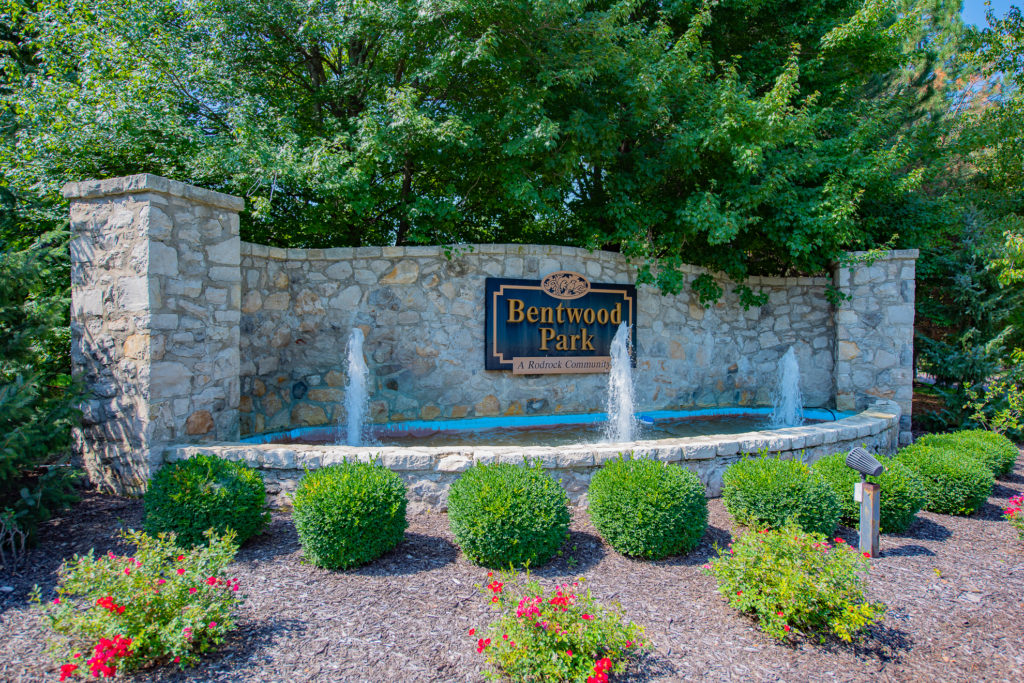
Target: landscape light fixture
868 495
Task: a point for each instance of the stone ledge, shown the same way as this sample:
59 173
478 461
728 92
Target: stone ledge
147 182
709 456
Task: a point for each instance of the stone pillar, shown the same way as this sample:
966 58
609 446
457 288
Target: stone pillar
875 332
155 310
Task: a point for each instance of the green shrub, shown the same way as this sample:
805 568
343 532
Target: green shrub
647 508
559 635
995 450
162 605
349 514
903 492
38 399
954 483
506 515
770 492
205 492
794 582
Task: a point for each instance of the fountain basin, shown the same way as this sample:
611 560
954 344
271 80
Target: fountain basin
429 471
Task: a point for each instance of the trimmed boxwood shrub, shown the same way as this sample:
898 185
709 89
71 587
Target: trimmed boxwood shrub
647 508
995 450
349 514
770 492
954 483
205 492
903 492
507 515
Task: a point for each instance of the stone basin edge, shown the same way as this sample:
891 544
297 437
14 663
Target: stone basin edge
429 471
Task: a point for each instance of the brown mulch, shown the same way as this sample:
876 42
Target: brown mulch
954 586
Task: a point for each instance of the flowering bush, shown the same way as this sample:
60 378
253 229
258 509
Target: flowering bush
562 635
1014 512
162 605
647 508
794 582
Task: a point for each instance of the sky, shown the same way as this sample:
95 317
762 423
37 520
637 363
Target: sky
974 10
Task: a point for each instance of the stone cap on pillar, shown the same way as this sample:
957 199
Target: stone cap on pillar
147 182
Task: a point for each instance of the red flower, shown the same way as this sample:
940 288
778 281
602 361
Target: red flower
482 644
127 571
786 628
588 617
569 652
180 558
176 660
867 554
192 591
212 581
180 571
603 664
739 592
66 670
494 599
780 614
472 631
838 540
495 586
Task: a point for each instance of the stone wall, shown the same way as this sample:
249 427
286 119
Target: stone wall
185 335
429 472
875 332
155 313
422 314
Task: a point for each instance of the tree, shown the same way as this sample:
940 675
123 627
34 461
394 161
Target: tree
673 132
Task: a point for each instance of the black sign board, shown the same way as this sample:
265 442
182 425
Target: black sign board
561 324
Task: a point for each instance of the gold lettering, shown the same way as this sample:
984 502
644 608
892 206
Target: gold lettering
572 341
531 314
547 315
546 335
515 310
602 316
569 312
588 316
586 344
559 309
563 341
617 315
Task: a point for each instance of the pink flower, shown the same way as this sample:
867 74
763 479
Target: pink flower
191 591
588 617
176 660
56 601
180 571
161 582
213 624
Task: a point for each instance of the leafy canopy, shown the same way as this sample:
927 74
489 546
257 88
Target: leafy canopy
748 136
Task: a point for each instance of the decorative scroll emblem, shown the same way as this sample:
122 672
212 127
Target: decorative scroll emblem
565 284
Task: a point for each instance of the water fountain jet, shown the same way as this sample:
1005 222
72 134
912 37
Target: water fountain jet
621 421
787 401
356 396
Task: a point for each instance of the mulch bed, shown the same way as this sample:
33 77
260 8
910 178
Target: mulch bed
954 586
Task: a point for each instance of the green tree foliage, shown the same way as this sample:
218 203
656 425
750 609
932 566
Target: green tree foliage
970 300
37 398
747 136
